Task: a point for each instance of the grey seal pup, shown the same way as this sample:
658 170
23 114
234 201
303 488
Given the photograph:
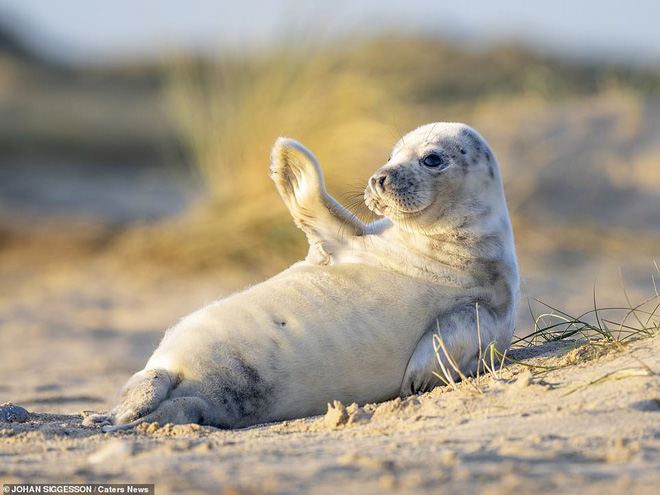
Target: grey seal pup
355 320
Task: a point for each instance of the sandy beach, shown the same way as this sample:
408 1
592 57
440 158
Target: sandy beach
72 333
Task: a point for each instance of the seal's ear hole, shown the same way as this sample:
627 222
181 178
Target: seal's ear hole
462 150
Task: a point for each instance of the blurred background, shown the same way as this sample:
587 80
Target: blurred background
135 138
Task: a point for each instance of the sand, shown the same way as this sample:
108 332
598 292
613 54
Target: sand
72 336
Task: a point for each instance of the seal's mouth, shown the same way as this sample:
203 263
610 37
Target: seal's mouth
373 203
392 203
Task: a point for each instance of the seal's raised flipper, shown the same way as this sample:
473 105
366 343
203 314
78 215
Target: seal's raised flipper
299 180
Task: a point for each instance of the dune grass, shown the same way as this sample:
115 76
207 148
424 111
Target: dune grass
599 326
229 112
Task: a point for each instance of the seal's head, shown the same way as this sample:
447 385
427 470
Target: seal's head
437 173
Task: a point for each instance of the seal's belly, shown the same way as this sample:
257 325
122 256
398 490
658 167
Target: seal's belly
316 333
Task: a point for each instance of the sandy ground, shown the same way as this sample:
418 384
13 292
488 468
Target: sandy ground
74 331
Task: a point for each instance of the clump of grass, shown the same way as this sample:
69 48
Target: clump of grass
230 112
596 332
601 326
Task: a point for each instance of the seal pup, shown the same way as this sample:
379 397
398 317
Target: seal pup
355 321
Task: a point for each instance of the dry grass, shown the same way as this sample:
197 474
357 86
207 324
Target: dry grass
228 115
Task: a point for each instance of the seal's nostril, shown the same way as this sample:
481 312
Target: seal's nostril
378 182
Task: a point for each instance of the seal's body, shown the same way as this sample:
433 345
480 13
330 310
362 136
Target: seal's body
354 321
312 345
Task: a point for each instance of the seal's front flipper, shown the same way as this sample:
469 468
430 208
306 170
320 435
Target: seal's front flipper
296 172
461 334
299 180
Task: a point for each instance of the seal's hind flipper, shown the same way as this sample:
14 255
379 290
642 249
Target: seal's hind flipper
181 410
141 395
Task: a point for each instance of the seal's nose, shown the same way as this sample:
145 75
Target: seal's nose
379 181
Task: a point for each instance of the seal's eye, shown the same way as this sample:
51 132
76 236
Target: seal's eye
432 160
